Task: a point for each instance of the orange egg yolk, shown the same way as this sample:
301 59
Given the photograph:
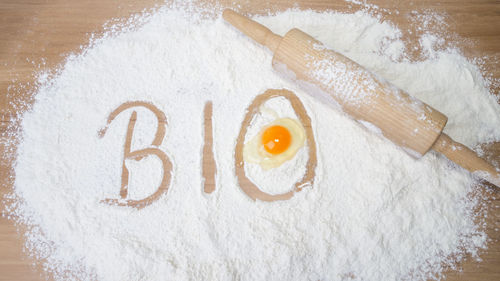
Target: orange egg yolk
276 139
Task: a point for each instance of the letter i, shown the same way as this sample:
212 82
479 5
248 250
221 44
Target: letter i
209 169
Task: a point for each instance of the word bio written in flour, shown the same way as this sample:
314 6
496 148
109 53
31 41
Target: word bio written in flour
252 191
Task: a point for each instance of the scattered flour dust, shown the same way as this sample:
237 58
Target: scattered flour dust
374 213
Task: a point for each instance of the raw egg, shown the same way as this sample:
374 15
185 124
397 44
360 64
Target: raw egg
276 143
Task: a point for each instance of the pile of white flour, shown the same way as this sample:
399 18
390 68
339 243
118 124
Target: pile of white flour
374 213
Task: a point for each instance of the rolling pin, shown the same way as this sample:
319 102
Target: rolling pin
381 107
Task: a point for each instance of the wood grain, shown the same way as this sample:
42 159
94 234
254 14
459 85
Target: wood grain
37 35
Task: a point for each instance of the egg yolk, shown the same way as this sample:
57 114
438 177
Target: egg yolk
276 139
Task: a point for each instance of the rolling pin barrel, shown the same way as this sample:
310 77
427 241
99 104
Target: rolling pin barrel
381 107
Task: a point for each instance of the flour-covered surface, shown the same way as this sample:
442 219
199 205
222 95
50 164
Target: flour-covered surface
374 213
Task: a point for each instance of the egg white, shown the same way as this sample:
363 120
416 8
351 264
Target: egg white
254 151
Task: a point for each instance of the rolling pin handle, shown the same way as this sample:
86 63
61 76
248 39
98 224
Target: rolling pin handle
468 159
252 29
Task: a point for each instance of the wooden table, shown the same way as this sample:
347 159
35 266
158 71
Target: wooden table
38 34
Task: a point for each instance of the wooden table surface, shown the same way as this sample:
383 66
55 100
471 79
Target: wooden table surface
38 34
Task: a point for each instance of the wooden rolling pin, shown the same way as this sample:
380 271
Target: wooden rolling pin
380 106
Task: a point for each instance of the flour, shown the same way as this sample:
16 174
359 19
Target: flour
373 213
